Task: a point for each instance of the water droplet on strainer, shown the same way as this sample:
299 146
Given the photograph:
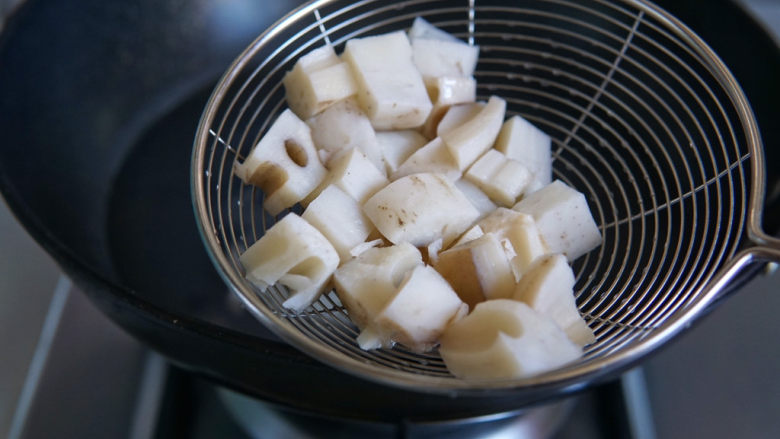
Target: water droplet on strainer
511 76
556 72
546 55
506 37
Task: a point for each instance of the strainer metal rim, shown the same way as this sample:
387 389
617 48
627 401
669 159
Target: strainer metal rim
570 377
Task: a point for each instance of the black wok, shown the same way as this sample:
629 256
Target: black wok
99 102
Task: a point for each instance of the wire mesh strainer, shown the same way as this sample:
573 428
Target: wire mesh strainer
645 120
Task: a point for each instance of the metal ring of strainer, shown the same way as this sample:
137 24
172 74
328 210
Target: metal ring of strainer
645 120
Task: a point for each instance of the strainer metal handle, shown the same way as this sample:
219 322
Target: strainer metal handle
645 119
765 248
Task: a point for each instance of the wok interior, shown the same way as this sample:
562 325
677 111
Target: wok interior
641 123
98 128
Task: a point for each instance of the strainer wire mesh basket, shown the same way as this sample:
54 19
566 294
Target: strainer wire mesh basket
645 121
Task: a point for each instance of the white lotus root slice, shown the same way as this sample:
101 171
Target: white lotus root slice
478 199
366 283
433 157
477 270
353 173
440 59
457 115
422 28
520 236
284 164
444 92
563 218
397 146
391 90
420 209
340 219
295 254
548 288
447 65
522 141
471 139
419 312
344 126
500 177
504 339
318 79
